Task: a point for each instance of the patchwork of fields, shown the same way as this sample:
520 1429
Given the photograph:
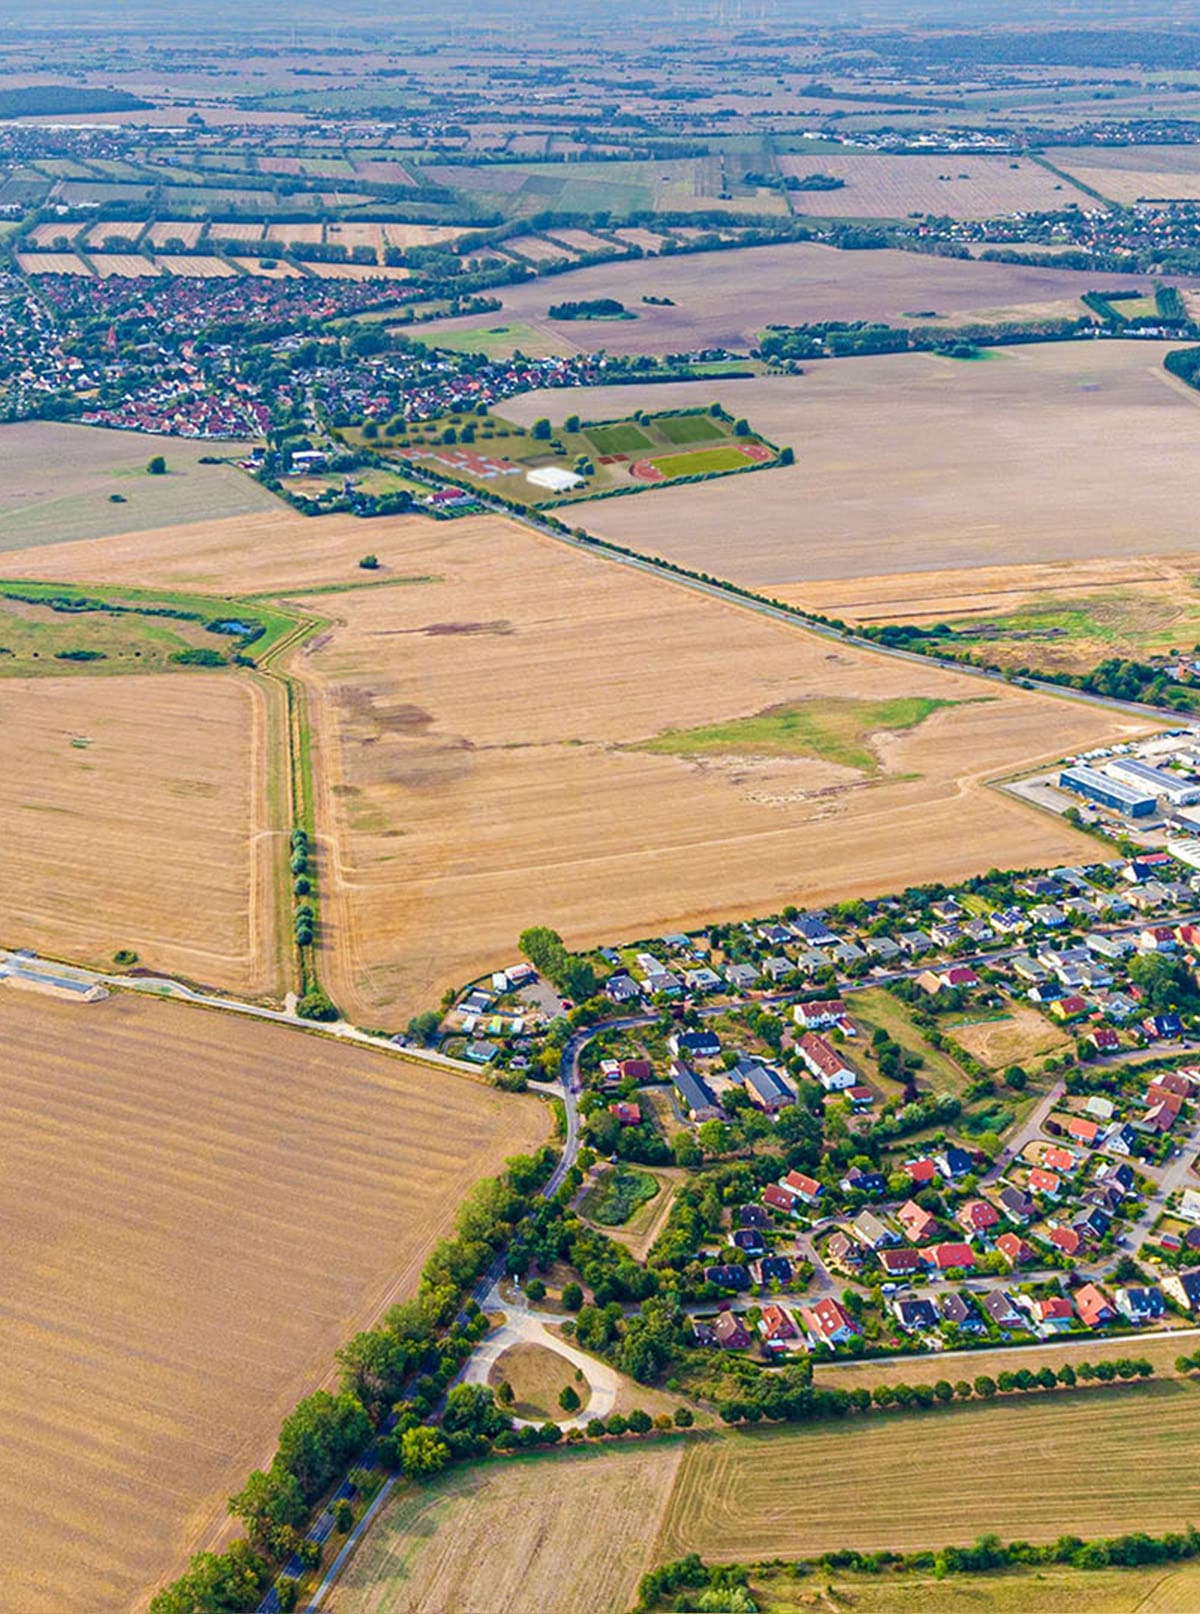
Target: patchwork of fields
727 299
198 1211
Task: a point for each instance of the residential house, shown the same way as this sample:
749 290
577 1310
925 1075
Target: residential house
1156 939
1094 1307
832 1071
702 980
777 967
749 1241
627 1113
1140 1305
916 1221
977 1216
1028 969
1009 922
1058 1158
766 1088
695 1095
1119 1007
1016 1204
1047 914
843 1251
1159 1118
1123 1140
806 1189
869 1230
960 977
954 1163
779 1199
1084 1131
1189 1206
883 949
847 952
827 1322
915 1316
771 1269
776 1328
1014 1250
915 942
949 1257
730 1333
1106 946
636 1070
956 1309
729 1275
1000 1309
861 1098
1069 1008
820 1015
923 1171
1050 1316
741 976
1105 1040
1114 1174
900 1263
1100 1108
812 930
1044 1182
1094 1223
857 1181
695 1044
1067 1239
752 1216
1183 1288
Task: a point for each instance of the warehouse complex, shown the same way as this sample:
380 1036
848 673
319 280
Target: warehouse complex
1107 791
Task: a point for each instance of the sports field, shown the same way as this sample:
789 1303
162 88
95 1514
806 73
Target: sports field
58 483
491 1538
482 763
1027 1471
724 299
1067 452
176 1182
139 814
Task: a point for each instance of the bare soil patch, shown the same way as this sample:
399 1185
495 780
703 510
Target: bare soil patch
197 1212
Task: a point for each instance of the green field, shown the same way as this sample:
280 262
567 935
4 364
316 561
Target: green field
702 463
621 439
835 730
502 341
691 429
613 1201
53 629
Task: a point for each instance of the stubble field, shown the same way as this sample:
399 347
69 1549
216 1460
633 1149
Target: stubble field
727 299
56 482
482 764
491 1540
138 814
1126 175
198 1211
955 185
912 463
1025 1471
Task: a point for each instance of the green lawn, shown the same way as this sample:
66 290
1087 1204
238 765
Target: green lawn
702 462
690 428
621 439
500 341
835 730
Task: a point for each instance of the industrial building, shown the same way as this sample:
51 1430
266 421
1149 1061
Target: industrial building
1107 792
1142 776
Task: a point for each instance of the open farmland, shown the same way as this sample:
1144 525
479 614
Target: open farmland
491 1538
1026 1471
482 764
176 1183
1156 1589
915 462
57 483
1060 615
727 299
957 185
120 834
1128 174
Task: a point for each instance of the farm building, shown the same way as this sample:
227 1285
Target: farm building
1106 792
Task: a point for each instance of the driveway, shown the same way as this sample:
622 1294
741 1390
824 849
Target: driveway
524 1327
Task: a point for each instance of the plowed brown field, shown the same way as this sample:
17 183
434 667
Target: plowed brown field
196 1211
136 815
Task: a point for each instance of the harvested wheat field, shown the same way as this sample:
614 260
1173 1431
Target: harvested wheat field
913 462
1127 175
136 815
724 299
1027 1471
539 735
489 1540
56 482
960 185
197 1210
272 550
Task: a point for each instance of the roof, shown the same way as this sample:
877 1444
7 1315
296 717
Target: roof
922 1170
944 1256
692 1089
